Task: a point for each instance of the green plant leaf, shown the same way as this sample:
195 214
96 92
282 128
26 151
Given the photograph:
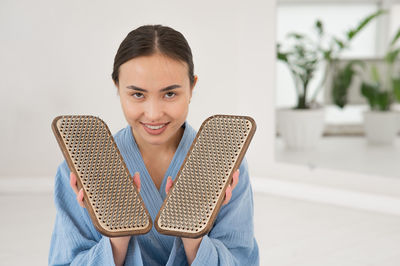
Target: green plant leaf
296 35
370 91
282 57
377 100
391 56
383 100
320 27
396 88
305 55
353 32
340 43
327 54
341 82
375 74
395 38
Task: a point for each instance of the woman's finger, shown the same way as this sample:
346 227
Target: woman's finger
79 197
136 180
168 185
72 182
228 195
235 179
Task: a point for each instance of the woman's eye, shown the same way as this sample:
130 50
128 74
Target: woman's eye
170 94
138 95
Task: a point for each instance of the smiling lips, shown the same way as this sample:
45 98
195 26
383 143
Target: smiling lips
155 129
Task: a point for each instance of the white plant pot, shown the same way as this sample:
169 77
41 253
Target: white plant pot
300 129
381 127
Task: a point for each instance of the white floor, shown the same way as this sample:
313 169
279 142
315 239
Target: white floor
26 226
289 232
301 233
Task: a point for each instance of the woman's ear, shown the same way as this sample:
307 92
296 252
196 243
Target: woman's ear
194 81
193 85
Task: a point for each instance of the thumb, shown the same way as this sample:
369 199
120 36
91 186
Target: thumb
136 180
168 185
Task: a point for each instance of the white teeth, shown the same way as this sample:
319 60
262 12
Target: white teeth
155 127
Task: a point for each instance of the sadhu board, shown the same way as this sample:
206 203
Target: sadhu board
113 202
198 192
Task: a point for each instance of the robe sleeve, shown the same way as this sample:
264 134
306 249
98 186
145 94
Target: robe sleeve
231 241
75 241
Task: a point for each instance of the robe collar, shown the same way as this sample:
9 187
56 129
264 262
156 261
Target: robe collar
153 197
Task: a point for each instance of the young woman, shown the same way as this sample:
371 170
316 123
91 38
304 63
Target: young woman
153 73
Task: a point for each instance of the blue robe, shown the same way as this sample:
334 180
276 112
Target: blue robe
76 241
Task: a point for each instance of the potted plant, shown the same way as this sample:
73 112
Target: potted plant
302 126
381 123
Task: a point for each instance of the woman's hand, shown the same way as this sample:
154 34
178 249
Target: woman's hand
119 245
231 187
191 245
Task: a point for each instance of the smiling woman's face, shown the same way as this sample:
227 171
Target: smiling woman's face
155 92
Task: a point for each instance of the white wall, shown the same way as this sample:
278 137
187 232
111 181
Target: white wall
56 58
394 20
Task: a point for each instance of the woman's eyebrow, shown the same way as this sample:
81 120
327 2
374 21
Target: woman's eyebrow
132 87
175 86
170 88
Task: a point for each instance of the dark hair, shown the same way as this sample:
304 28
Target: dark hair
150 39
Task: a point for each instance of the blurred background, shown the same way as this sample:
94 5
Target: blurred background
329 195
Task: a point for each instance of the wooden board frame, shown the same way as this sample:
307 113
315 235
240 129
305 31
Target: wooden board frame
220 200
73 168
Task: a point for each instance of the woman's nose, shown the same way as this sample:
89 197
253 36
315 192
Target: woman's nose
154 110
